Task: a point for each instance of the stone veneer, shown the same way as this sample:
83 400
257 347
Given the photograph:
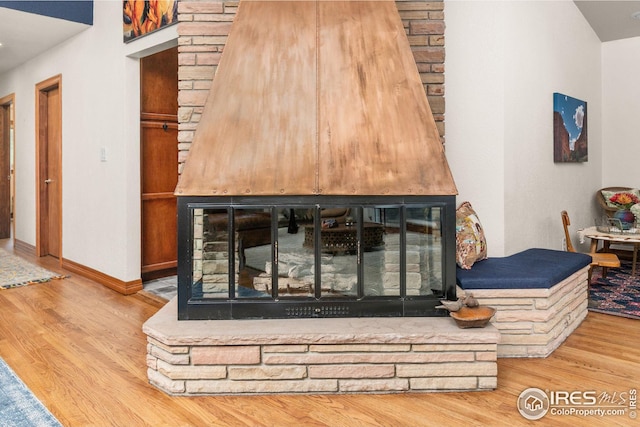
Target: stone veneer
358 355
352 355
534 322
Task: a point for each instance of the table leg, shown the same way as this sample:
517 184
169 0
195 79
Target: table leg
636 246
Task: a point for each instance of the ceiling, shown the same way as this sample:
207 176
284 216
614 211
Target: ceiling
26 35
611 19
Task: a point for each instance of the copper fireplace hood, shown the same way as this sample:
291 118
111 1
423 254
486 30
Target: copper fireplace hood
316 107
316 98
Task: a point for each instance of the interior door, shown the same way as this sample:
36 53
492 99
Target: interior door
5 171
49 161
159 158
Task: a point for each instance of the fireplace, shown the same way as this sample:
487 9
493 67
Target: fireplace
316 184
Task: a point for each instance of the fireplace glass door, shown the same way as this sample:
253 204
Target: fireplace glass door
266 260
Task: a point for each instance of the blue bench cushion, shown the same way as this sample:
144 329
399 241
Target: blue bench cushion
533 268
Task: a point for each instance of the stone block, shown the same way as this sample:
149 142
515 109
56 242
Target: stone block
300 348
197 72
487 356
448 383
447 369
190 372
203 28
487 383
261 387
267 372
373 385
426 27
391 280
414 280
464 347
215 267
200 7
360 348
160 381
225 355
188 98
175 359
152 362
352 371
168 348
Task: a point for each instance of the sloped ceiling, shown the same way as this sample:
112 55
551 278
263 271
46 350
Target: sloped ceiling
28 29
610 19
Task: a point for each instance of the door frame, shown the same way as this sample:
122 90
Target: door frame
42 88
8 103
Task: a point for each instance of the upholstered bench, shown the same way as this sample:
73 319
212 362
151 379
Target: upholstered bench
541 297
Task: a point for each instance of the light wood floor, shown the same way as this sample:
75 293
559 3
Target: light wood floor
80 348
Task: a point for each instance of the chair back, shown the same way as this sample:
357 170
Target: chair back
608 210
566 223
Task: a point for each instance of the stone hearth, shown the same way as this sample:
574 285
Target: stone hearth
346 355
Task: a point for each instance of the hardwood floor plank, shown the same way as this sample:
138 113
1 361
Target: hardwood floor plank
80 348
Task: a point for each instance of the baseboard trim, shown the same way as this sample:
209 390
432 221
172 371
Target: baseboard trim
125 288
24 247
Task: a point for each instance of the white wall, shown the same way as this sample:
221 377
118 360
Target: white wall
504 62
100 108
621 112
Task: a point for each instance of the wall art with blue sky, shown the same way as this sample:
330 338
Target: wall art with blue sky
569 129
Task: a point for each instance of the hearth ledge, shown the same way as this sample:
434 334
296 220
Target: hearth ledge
347 355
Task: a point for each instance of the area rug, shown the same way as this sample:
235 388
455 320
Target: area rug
618 293
18 406
15 271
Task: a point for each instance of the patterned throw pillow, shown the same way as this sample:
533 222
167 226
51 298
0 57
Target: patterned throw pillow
471 245
608 194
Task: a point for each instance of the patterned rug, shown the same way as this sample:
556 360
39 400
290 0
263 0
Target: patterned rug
18 406
15 271
618 293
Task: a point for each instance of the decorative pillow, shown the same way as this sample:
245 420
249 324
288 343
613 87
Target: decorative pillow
608 194
471 245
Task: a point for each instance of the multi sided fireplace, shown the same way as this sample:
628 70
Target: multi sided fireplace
316 184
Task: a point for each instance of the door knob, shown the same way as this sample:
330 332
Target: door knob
48 181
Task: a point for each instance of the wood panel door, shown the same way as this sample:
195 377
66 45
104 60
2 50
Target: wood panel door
5 169
49 167
159 162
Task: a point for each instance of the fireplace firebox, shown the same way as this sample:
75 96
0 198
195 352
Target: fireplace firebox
303 257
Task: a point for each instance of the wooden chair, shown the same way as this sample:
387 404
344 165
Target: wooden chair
598 259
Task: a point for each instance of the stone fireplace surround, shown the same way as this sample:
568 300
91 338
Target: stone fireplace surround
361 355
348 355
344 355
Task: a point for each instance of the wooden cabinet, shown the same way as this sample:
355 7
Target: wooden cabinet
159 162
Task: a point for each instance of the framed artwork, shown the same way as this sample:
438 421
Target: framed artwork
569 129
141 17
